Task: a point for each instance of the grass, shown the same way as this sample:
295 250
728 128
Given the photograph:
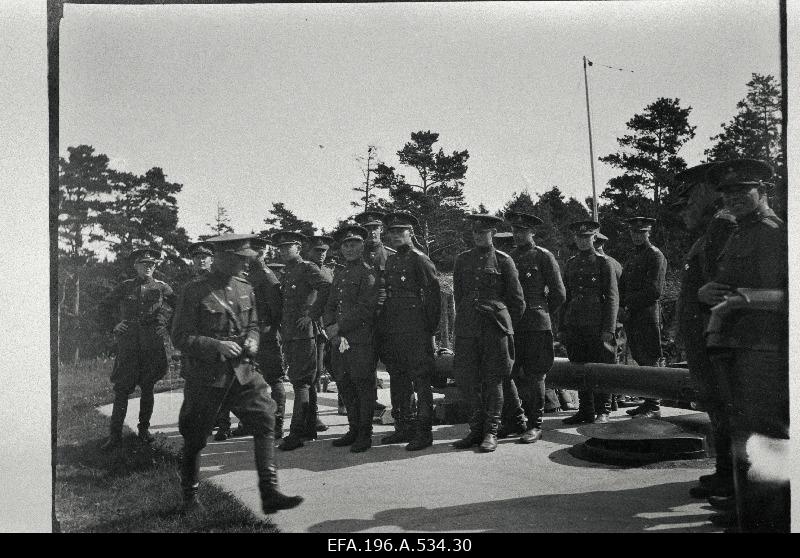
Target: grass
135 488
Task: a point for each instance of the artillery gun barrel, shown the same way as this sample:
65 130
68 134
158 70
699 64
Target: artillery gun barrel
645 381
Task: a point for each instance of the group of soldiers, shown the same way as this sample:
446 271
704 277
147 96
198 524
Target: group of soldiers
240 326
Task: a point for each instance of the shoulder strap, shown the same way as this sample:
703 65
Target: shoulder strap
231 314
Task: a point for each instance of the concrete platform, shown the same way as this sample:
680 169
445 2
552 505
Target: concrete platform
519 488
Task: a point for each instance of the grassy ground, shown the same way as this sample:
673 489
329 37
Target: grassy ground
135 488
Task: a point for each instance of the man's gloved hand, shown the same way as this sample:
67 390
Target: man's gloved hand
343 345
121 327
229 349
251 346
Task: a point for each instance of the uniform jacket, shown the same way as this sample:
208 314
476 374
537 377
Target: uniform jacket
204 316
486 286
376 254
267 289
352 302
642 283
700 267
413 293
755 256
148 303
542 286
592 296
305 290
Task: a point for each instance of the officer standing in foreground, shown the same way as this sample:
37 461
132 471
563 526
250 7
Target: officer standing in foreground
544 292
700 207
304 289
216 326
489 300
748 337
318 250
269 360
640 287
407 323
349 319
138 312
589 318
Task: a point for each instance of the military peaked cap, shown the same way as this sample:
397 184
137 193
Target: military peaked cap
691 177
640 223
747 172
370 218
484 222
275 266
524 220
400 219
238 244
287 237
351 231
320 242
582 228
146 255
201 249
600 238
259 243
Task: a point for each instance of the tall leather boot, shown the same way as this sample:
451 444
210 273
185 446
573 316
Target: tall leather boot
190 481
402 413
363 439
423 438
297 428
118 413
494 408
278 395
146 404
272 499
353 413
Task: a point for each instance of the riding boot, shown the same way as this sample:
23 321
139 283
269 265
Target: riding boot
475 434
118 413
190 481
493 397
272 499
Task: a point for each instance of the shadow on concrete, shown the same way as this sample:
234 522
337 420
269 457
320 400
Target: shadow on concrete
652 508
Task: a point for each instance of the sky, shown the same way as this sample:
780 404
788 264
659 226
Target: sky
253 104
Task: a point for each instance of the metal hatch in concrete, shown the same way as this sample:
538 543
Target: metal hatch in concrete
644 440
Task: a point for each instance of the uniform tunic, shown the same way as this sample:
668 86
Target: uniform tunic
304 289
407 323
640 287
755 342
146 306
352 305
590 310
269 306
489 300
544 293
213 308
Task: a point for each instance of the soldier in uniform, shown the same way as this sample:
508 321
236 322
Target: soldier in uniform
747 337
216 326
640 287
375 254
622 343
349 319
202 254
513 420
544 293
407 323
138 312
700 207
489 299
318 250
269 359
304 289
589 316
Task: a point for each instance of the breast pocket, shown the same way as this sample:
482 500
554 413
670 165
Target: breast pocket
213 316
245 307
490 277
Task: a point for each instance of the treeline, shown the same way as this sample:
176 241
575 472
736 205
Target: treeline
121 211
